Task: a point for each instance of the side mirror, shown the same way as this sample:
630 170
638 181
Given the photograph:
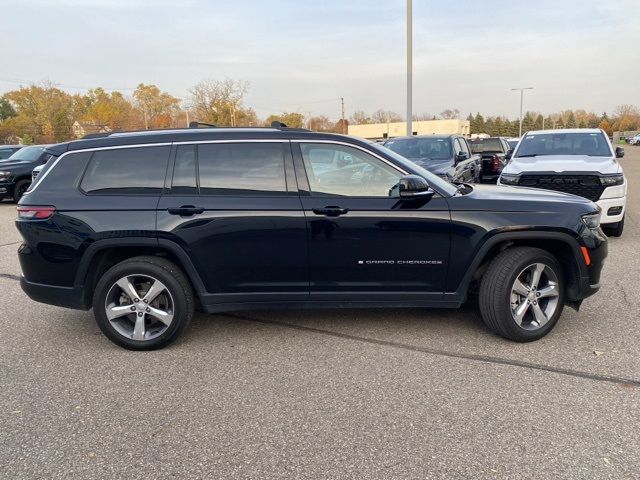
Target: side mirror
508 155
461 156
619 152
413 187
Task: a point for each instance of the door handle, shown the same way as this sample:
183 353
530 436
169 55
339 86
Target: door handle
185 210
330 211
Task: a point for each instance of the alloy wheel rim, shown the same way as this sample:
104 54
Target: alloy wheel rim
535 296
139 307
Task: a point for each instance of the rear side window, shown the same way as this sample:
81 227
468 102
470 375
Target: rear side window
184 171
241 169
126 171
63 175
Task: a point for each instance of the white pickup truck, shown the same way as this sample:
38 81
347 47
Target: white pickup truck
580 161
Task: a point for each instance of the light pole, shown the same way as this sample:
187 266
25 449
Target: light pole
409 66
521 100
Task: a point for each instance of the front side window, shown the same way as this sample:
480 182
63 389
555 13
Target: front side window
590 144
347 171
28 154
241 169
126 171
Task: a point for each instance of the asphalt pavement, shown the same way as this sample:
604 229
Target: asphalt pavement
326 394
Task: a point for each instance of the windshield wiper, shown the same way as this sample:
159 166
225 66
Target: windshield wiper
528 155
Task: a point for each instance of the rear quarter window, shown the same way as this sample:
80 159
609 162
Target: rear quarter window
136 171
62 175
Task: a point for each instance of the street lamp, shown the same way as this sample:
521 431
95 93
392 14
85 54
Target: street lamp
409 67
521 99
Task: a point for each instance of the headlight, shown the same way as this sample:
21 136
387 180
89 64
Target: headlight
610 180
4 175
507 179
592 220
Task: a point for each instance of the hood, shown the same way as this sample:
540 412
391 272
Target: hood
562 163
522 199
6 164
438 167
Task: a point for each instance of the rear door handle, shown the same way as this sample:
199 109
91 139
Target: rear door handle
330 211
185 210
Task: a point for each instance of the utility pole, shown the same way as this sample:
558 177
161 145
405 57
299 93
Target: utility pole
521 102
409 67
344 127
187 114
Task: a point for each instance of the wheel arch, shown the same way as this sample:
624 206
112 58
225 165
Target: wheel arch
103 254
562 246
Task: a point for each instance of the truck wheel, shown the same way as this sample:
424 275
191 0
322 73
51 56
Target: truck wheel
143 303
522 294
616 229
19 189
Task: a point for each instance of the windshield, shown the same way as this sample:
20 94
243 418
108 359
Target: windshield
480 145
591 144
28 154
431 178
421 148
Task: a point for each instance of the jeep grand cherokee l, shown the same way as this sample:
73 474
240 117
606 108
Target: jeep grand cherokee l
145 226
579 161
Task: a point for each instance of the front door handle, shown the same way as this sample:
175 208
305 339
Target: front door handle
185 210
330 211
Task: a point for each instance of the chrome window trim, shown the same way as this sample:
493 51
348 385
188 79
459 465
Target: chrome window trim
40 178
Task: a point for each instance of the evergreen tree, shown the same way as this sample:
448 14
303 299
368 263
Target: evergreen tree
582 124
479 123
548 123
537 124
489 127
560 123
571 121
527 123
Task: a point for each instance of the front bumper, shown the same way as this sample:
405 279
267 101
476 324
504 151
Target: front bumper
613 203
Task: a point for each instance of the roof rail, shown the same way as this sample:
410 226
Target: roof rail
201 124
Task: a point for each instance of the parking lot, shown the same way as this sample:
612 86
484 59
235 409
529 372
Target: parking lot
326 394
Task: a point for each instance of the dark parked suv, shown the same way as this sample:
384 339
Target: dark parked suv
15 171
146 227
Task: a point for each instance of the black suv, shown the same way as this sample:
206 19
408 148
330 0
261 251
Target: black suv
145 227
15 171
495 153
448 156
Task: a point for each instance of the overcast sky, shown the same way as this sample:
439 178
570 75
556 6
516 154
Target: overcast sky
304 55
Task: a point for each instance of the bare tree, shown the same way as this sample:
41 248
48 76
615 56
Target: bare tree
450 114
219 101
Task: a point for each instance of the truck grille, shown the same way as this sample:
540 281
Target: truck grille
587 186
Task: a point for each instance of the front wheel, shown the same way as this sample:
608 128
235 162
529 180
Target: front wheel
143 303
522 294
19 189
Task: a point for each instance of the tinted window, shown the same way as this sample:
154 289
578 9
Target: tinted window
241 169
346 171
126 171
7 152
30 154
184 171
425 148
493 145
591 144
464 147
63 175
456 146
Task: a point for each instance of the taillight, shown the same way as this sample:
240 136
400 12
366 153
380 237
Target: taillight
35 213
496 163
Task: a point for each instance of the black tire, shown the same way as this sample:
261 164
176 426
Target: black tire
20 188
495 292
176 284
616 229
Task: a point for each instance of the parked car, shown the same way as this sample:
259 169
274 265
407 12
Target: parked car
145 227
634 140
512 142
7 150
15 171
580 161
448 156
495 152
36 171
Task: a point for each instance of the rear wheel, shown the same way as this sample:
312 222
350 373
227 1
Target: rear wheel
143 303
522 294
19 189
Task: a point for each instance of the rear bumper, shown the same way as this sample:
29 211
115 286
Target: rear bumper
68 297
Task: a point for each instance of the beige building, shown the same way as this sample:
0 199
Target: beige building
399 129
